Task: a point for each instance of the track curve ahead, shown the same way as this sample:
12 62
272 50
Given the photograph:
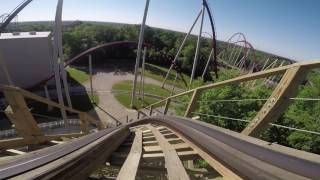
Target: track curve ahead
248 157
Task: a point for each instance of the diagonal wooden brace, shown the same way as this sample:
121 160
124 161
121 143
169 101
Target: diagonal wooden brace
19 114
278 102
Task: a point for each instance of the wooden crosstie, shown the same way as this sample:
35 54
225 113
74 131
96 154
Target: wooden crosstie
173 154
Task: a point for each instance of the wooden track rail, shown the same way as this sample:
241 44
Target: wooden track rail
173 164
129 169
275 106
233 155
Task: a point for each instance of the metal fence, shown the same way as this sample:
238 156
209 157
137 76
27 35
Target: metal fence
74 124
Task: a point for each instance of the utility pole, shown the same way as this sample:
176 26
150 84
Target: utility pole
90 74
180 48
65 83
142 73
207 65
142 68
60 51
196 57
173 86
46 91
136 71
57 58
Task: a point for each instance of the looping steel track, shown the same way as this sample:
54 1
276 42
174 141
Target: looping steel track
248 157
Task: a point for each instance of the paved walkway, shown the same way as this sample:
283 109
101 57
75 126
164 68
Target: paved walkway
109 108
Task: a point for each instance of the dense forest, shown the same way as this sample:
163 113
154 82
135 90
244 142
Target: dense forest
301 114
79 36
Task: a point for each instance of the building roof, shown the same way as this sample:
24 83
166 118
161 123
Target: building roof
24 35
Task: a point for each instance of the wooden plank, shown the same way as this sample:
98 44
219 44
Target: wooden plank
193 103
278 102
15 152
150 143
14 143
173 164
220 168
84 124
46 101
158 148
167 135
57 142
166 107
152 138
151 111
147 134
182 155
130 167
146 131
168 139
19 114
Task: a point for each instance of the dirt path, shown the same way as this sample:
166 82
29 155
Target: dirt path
109 108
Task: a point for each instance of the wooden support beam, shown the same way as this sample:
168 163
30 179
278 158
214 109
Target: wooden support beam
84 123
149 138
166 107
219 167
14 143
130 167
278 102
90 119
166 135
158 148
184 155
15 152
19 114
151 111
56 142
170 140
193 103
173 164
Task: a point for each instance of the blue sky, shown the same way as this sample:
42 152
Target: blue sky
289 28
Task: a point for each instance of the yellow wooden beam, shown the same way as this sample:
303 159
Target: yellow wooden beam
19 114
278 102
193 103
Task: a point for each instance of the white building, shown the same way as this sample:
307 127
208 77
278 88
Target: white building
28 57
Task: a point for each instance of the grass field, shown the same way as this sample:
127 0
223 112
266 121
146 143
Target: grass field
159 73
78 75
125 99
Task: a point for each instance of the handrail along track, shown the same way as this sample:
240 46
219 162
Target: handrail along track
273 108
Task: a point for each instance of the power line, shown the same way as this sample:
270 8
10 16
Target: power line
272 124
233 100
305 99
240 100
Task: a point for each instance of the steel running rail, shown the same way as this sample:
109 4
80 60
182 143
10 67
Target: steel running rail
13 14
